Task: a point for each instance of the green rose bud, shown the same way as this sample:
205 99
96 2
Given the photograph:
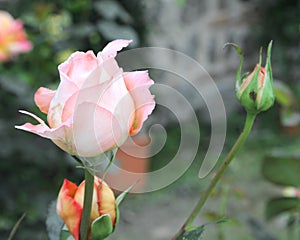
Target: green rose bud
255 90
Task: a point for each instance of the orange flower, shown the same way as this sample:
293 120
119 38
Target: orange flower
13 39
70 204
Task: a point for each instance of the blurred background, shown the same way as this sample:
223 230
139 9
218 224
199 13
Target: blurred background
253 195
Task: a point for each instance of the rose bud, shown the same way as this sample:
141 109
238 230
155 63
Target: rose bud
13 39
70 205
255 91
96 105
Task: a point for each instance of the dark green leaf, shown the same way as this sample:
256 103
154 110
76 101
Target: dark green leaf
101 227
192 234
277 206
283 170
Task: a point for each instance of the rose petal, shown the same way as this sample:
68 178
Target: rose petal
65 90
138 84
111 49
60 136
68 209
92 94
43 97
95 130
103 73
106 200
79 198
122 107
79 66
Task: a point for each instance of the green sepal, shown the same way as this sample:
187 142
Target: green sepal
110 156
65 234
239 79
120 199
248 95
268 97
117 218
101 227
122 196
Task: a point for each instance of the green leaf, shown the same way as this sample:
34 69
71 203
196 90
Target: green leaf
53 222
277 206
102 227
283 170
284 95
65 234
194 233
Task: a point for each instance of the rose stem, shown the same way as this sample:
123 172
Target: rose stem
87 205
238 144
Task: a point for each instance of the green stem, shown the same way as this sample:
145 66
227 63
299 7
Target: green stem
87 205
15 228
238 144
77 159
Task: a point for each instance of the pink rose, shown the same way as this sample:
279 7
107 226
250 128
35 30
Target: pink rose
96 105
13 39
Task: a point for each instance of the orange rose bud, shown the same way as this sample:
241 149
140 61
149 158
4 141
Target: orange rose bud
70 204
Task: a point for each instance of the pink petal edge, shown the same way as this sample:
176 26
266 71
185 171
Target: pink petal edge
111 49
43 97
58 135
138 84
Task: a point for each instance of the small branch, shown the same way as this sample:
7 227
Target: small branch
16 226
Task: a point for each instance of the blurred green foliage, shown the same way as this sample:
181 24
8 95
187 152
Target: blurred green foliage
279 20
31 168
